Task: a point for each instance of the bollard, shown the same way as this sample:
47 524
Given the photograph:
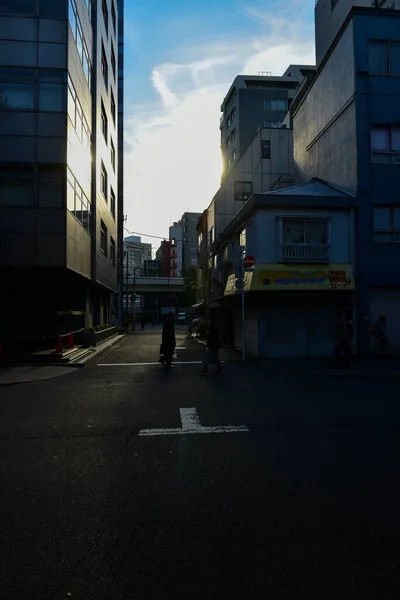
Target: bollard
71 343
59 347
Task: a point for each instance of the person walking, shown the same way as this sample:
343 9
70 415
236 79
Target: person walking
379 333
168 340
211 355
342 347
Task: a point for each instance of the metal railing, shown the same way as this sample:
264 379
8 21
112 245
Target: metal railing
305 253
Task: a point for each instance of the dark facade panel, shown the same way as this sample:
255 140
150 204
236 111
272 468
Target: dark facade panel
17 123
17 148
51 124
18 54
17 250
52 55
50 250
50 220
52 30
14 28
17 220
51 150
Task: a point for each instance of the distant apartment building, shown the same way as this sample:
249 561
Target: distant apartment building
255 101
330 16
59 197
189 223
167 255
135 254
176 235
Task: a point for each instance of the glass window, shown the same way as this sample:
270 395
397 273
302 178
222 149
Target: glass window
112 251
52 97
70 197
104 122
315 232
51 171
16 96
266 149
243 190
53 75
78 204
85 63
396 218
79 41
112 106
71 106
104 65
51 192
378 57
382 217
16 192
72 16
395 139
293 232
380 139
105 13
18 7
103 238
17 74
112 202
113 62
52 8
395 58
382 236
112 154
104 181
113 16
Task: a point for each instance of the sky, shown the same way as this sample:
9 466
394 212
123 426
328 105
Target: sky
181 57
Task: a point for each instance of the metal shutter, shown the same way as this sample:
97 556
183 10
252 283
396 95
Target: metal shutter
252 332
321 330
284 332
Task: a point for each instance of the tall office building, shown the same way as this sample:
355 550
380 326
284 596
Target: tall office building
58 163
120 195
135 254
189 223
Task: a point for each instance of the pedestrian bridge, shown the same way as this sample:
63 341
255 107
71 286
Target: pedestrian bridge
141 285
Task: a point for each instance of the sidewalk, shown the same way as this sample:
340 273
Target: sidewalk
14 374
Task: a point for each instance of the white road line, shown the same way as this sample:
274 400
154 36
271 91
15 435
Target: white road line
191 425
148 364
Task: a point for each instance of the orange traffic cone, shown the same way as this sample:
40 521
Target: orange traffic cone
59 347
71 341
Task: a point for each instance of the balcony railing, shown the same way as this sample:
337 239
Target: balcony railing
319 253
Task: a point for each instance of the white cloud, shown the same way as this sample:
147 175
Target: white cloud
173 161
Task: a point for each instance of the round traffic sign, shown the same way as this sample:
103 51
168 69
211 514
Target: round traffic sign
249 262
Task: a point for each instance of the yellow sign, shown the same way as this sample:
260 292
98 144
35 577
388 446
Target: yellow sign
302 278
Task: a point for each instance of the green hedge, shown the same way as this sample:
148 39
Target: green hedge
99 327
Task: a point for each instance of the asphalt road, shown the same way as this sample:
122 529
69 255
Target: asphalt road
303 505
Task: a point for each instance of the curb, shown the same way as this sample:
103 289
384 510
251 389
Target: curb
355 375
91 354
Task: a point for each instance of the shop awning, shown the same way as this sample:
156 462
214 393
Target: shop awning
295 278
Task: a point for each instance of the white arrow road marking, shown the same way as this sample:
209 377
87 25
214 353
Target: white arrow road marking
191 425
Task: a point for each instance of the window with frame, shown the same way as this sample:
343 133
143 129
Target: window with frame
81 45
384 58
104 122
103 238
272 124
113 154
385 144
279 104
104 181
77 202
113 62
112 251
386 224
243 190
16 185
112 202
104 10
113 107
265 149
305 231
104 65
113 17
32 89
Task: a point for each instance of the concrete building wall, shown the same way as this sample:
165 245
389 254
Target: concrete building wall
330 16
324 126
176 233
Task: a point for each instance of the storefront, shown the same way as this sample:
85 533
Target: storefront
291 312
